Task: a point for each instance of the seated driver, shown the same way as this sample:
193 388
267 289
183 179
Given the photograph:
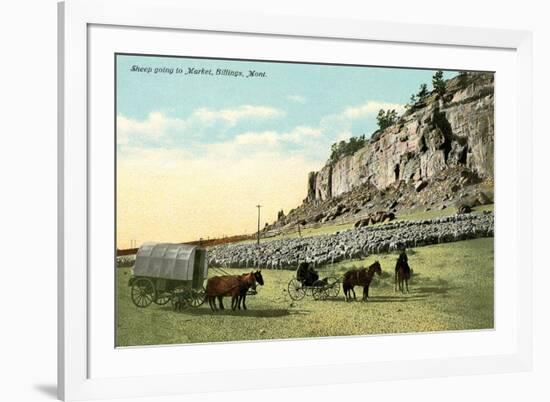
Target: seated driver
302 272
313 276
306 274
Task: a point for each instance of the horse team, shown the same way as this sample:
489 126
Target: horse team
238 286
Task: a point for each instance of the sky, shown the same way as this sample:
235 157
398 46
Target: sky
201 142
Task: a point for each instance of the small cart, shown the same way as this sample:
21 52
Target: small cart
166 272
320 290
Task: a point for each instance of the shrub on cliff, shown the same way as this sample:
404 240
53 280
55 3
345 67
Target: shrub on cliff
439 83
386 118
422 93
345 148
417 98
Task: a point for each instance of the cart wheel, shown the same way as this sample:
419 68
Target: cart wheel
143 292
178 301
319 293
333 286
163 299
198 296
295 290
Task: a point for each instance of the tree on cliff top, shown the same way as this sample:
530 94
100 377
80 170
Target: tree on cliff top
439 83
386 118
345 148
420 96
422 92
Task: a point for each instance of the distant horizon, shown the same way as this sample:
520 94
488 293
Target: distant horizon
198 149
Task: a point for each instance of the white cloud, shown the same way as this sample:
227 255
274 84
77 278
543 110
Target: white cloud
301 133
370 108
154 126
270 138
262 138
344 135
233 115
157 125
340 124
296 98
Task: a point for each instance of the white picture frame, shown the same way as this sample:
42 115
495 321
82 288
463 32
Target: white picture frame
76 379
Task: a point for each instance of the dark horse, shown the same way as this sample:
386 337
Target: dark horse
244 288
402 272
360 277
235 286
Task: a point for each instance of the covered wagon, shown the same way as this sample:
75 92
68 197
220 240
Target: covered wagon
165 272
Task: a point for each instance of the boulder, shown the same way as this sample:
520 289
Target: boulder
318 217
420 185
462 209
483 199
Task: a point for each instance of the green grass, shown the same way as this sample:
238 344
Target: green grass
451 289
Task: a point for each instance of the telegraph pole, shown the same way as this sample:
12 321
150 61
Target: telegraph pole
258 206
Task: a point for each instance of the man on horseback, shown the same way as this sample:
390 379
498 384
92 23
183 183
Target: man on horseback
402 271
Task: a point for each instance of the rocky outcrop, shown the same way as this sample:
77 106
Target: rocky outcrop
374 218
352 243
456 131
451 187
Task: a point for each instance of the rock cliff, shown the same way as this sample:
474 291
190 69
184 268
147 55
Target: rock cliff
454 131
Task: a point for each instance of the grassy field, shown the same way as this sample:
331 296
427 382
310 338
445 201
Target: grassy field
451 289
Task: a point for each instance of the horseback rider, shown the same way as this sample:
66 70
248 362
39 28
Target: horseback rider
403 257
404 261
402 271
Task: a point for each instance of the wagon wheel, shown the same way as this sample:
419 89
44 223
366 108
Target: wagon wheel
164 298
143 292
178 300
319 293
198 296
295 290
333 286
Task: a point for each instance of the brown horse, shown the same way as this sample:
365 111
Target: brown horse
402 275
235 286
360 277
227 285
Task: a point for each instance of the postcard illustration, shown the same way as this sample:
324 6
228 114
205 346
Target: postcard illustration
262 200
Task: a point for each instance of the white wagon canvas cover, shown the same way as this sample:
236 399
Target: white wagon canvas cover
183 262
